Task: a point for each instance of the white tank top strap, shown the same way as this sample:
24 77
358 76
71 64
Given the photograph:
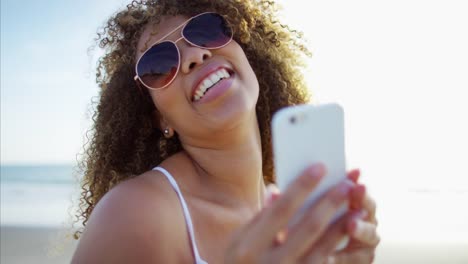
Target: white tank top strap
188 218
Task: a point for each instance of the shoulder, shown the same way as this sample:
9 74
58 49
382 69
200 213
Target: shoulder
138 221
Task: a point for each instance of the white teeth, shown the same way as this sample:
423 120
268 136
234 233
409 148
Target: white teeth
209 82
206 83
225 73
214 78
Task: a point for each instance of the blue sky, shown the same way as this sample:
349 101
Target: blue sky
47 77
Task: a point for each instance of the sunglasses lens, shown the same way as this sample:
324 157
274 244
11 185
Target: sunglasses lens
209 30
158 66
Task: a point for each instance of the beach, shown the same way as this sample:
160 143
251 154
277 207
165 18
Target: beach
41 245
401 252
36 205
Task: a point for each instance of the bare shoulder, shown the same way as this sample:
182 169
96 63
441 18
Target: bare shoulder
138 221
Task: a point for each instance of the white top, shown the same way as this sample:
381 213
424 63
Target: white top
188 219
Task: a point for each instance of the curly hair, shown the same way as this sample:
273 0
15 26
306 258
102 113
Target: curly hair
125 140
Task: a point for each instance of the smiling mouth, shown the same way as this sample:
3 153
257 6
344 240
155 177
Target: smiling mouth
209 82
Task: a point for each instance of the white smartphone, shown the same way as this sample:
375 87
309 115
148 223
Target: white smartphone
307 134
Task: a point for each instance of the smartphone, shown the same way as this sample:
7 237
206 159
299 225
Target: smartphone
304 135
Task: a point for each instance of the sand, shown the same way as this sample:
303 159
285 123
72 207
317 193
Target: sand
23 245
422 252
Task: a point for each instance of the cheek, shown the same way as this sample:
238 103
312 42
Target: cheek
243 64
163 100
157 100
170 103
168 96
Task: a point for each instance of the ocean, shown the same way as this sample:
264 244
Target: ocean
37 195
47 196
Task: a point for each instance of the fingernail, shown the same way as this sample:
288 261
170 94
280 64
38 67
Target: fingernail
271 194
317 170
271 188
354 175
358 229
363 214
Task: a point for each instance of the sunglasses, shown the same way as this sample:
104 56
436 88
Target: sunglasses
159 64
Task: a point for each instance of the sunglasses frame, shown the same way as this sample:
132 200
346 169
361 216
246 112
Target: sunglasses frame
161 40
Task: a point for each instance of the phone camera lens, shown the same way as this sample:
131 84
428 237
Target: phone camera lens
292 120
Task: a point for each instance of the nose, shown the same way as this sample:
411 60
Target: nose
192 56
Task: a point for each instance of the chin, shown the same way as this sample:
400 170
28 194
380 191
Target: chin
235 114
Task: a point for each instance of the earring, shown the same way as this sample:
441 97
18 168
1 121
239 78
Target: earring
167 133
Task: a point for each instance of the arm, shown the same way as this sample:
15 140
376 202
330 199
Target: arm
133 223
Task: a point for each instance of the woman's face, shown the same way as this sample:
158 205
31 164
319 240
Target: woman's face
181 105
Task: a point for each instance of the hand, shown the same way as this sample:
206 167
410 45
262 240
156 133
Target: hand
309 240
361 227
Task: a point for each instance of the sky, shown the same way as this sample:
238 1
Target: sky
47 77
399 68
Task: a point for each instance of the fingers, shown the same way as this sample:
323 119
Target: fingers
364 232
310 227
358 194
353 175
276 216
370 206
357 197
328 243
358 256
272 193
360 198
364 240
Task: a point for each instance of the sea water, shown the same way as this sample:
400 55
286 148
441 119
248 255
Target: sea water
48 196
44 195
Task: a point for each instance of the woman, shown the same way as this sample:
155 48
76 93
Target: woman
176 168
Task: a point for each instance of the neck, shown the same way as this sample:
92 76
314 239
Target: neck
230 172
